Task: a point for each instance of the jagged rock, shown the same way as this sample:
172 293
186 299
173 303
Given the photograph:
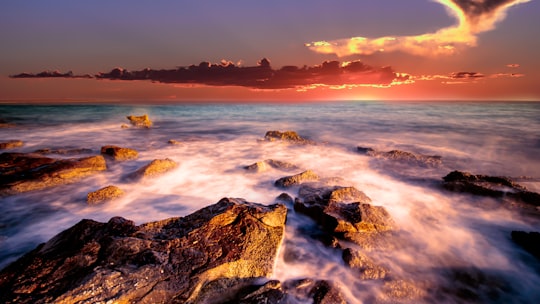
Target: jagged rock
10 144
403 156
262 166
119 153
104 194
140 121
485 185
292 291
176 260
174 142
289 136
364 265
22 172
336 216
530 241
297 179
154 168
64 151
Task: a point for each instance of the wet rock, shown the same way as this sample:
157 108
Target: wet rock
530 241
124 126
177 260
493 186
104 194
292 291
64 151
297 179
403 156
337 216
21 172
285 198
365 266
119 153
11 144
264 165
174 142
288 136
154 168
140 121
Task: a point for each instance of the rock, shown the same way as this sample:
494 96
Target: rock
530 241
104 194
336 216
292 291
140 121
285 198
21 172
485 185
177 260
293 180
288 136
154 168
63 151
174 142
403 156
262 166
119 153
364 265
124 126
10 144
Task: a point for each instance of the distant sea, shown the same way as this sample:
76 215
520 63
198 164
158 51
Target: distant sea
447 230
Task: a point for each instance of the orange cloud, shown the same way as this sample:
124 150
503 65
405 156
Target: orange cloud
473 17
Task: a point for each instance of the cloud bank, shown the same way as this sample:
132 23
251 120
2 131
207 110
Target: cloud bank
473 17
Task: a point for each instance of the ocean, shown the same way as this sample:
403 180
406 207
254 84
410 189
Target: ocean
445 231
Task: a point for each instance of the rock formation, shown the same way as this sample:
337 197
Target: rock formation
154 168
10 144
119 153
297 179
177 260
264 165
64 151
403 156
22 172
288 136
140 121
494 186
104 194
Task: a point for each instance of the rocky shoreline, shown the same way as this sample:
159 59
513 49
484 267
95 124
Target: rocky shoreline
225 252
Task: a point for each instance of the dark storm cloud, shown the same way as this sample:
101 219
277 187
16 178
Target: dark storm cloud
50 74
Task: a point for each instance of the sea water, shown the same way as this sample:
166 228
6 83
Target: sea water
445 231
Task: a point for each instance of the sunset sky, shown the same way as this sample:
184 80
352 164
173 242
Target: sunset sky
196 51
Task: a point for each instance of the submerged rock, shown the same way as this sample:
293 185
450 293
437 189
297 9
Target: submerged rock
174 142
10 144
26 172
288 136
154 168
177 260
485 185
64 151
104 194
365 266
530 241
140 121
119 153
297 179
403 156
262 166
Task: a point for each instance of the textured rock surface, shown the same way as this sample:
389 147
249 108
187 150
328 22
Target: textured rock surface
297 179
154 168
494 186
10 144
288 136
403 156
104 194
119 153
140 121
22 172
365 266
177 260
264 165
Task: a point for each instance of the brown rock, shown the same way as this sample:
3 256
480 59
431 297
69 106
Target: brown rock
63 151
154 168
140 121
10 144
264 165
104 194
403 156
124 126
26 172
174 142
365 266
293 180
119 153
288 136
177 260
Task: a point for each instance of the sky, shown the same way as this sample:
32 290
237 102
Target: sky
249 51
